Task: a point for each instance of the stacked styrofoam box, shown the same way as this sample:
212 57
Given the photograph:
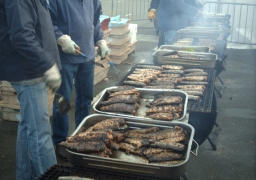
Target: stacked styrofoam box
119 43
10 105
133 37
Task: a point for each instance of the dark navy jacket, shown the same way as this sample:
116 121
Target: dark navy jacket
27 42
173 14
80 19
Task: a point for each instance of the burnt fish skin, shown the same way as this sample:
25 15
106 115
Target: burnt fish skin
128 99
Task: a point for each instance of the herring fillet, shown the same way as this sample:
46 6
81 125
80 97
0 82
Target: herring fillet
91 146
129 99
164 156
120 107
164 116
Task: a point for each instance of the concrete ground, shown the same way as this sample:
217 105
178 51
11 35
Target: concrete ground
234 158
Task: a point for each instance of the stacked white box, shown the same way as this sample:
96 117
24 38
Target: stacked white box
10 106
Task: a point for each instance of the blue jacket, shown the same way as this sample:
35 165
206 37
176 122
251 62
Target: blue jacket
27 48
80 19
173 14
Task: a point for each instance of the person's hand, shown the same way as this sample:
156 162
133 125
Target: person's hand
151 14
53 78
103 48
67 45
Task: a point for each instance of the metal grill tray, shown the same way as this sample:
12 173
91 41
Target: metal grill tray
185 48
207 60
205 105
146 96
131 164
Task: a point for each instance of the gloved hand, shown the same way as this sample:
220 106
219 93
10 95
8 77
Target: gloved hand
67 45
53 78
151 14
103 48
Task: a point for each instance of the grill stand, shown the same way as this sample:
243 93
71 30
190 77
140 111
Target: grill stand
214 134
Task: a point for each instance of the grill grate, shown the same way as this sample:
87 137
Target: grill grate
205 104
57 171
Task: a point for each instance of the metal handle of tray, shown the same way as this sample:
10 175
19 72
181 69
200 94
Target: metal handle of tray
197 146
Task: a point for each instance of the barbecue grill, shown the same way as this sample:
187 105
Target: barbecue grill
204 105
56 171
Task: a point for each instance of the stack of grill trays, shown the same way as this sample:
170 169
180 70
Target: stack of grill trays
205 104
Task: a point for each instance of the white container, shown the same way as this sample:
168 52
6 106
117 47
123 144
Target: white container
133 32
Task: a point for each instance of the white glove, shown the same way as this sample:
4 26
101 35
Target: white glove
53 78
103 48
67 45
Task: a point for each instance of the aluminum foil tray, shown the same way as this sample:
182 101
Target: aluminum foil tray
207 60
185 48
131 164
147 95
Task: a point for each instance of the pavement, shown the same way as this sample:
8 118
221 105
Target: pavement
234 158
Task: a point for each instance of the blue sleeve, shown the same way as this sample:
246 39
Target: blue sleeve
98 34
54 14
22 19
154 4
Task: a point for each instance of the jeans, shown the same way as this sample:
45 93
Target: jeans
84 76
167 38
34 148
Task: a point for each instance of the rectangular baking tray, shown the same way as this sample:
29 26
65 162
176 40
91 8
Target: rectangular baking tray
147 95
131 164
207 60
185 48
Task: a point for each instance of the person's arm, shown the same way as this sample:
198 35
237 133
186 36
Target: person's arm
98 34
154 4
22 21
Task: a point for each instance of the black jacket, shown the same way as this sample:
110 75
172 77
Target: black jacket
27 42
173 14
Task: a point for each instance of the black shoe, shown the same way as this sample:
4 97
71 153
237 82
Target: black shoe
62 152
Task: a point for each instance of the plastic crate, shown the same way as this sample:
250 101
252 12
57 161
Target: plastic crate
117 40
119 30
116 50
132 47
100 75
118 59
104 24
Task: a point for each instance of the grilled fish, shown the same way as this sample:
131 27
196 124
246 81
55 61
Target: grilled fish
194 82
149 151
164 109
191 87
91 136
134 83
137 132
128 99
194 98
118 136
120 88
138 142
165 156
164 116
85 146
161 83
148 76
173 80
137 70
197 74
169 75
149 67
168 145
166 133
173 72
195 78
167 100
113 124
127 147
113 145
193 70
159 87
139 79
121 107
172 67
194 93
126 92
